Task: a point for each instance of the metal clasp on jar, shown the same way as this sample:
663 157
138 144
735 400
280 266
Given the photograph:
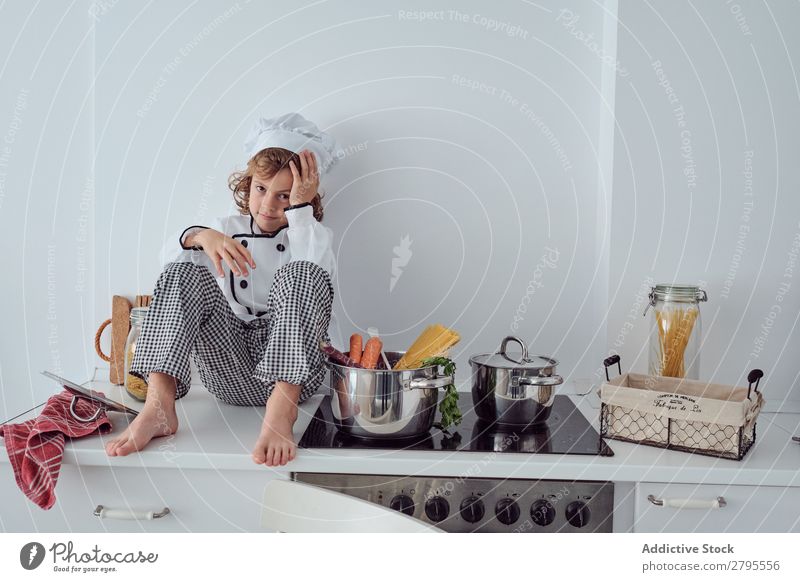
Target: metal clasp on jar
699 295
652 300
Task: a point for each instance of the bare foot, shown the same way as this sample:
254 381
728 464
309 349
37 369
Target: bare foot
153 421
275 444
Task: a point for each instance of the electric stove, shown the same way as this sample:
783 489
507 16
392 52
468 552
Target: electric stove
461 503
565 432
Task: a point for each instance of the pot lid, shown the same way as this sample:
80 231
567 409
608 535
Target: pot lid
502 359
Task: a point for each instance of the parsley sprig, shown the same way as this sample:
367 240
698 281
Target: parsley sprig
448 406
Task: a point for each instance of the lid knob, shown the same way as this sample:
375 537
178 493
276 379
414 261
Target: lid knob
512 338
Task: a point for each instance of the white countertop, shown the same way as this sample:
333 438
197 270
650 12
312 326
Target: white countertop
214 435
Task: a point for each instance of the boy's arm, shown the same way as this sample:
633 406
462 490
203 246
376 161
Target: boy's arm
309 240
181 247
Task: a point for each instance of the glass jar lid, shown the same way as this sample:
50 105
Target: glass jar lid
138 314
675 292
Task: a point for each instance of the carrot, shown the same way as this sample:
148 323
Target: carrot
372 352
355 347
337 357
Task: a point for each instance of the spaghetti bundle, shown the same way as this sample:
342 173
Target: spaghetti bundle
674 331
434 341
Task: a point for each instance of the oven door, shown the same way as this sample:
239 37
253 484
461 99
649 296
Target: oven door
296 507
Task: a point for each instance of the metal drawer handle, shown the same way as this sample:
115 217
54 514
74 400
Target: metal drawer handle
717 503
108 513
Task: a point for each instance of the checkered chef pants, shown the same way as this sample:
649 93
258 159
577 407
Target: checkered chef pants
238 361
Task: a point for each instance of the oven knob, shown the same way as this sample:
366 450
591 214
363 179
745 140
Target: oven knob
542 513
403 504
578 514
507 511
472 509
437 508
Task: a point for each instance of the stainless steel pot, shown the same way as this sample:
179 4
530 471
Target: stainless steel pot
385 404
513 391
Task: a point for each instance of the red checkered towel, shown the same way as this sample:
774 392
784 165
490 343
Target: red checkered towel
36 447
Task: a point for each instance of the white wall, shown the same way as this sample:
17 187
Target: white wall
46 199
162 95
466 174
712 201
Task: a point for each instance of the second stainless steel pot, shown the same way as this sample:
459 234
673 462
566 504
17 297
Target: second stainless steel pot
385 404
513 391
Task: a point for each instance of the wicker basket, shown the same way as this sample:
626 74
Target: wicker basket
684 415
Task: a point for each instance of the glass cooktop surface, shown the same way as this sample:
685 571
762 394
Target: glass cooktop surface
566 432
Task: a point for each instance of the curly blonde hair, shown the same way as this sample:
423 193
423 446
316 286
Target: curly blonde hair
266 163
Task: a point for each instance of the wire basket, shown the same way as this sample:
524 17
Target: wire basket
684 415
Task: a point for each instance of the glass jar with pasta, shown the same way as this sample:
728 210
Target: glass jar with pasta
135 386
675 330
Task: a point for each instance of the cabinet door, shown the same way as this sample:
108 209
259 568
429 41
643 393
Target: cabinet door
747 509
198 500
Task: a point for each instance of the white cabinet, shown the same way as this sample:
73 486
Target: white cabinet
199 500
747 509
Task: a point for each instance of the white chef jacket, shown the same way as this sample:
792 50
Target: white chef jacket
302 239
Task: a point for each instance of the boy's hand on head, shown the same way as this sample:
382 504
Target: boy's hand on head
305 184
220 247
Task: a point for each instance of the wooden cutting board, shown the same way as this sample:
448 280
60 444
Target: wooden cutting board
120 325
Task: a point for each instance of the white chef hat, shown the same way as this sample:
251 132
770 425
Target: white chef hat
295 133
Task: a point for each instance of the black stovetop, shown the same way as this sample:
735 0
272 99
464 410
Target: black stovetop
566 432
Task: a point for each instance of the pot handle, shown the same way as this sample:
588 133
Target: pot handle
512 338
420 383
554 380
